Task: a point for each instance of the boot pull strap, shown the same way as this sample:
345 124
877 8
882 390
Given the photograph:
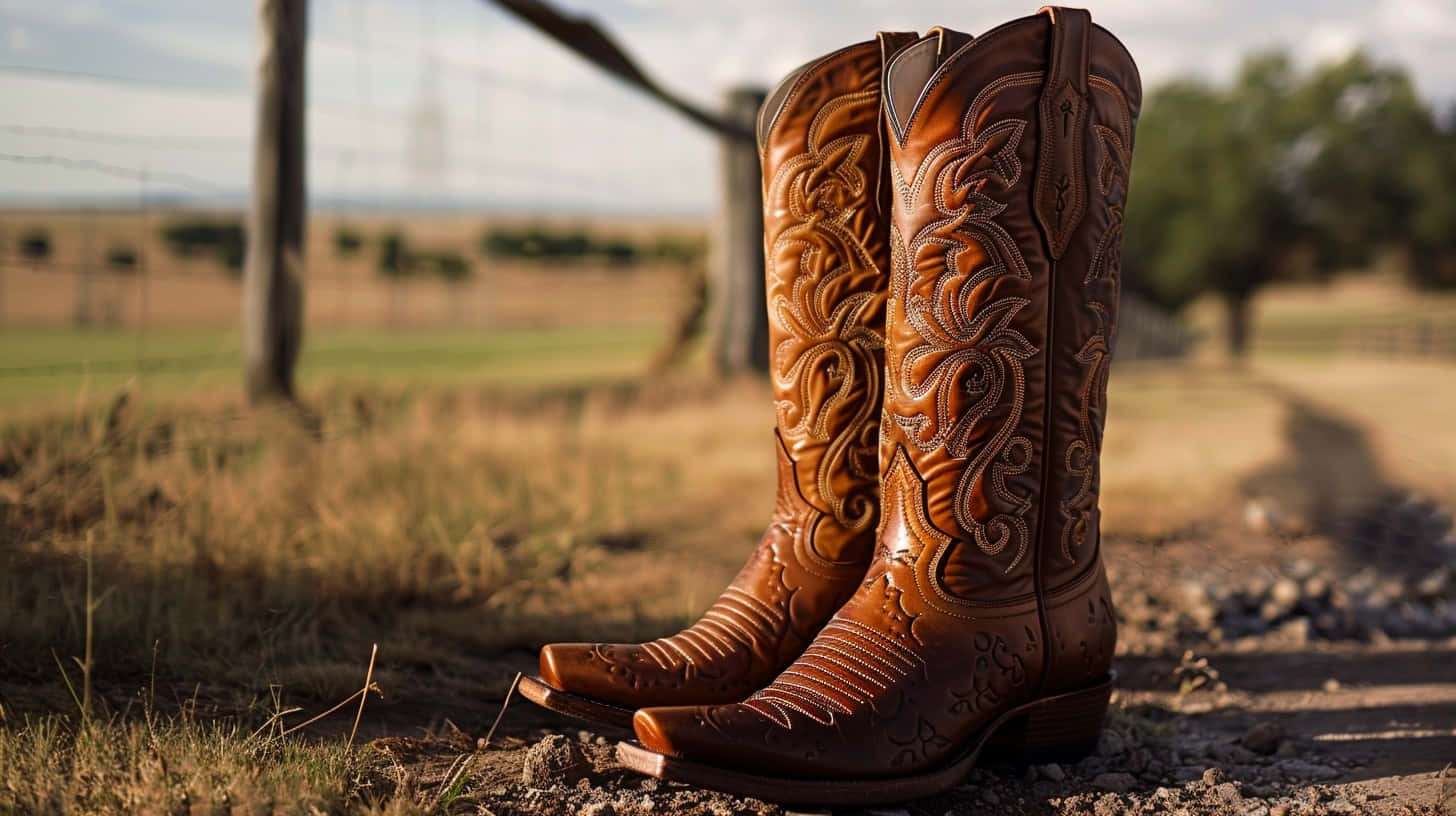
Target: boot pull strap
891 43
1061 179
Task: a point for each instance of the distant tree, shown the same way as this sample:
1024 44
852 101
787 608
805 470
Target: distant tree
395 265
347 241
35 245
123 260
1233 188
225 240
394 257
451 267
618 251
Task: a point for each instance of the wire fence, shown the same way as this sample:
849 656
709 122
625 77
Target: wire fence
105 266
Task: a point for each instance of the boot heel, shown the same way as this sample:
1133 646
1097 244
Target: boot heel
1063 728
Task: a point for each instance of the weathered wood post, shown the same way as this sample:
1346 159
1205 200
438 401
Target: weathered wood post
740 331
273 278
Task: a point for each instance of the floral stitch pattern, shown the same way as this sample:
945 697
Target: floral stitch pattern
1082 453
968 363
828 362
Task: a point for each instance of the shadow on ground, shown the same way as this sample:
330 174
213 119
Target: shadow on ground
1334 484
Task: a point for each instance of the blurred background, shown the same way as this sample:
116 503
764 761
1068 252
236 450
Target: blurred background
526 409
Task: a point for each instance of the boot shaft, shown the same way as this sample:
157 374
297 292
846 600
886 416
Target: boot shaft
1008 157
826 256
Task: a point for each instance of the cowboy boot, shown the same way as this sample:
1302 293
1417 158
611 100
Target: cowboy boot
985 620
825 211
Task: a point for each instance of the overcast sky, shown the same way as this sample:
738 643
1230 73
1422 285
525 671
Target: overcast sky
451 100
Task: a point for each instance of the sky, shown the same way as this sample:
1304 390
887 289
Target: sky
442 103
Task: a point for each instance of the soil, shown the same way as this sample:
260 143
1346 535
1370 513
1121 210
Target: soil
1296 688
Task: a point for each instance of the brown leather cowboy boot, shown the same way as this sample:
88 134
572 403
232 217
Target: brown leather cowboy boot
985 619
826 210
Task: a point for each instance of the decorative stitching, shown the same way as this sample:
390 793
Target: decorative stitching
976 357
830 345
1081 459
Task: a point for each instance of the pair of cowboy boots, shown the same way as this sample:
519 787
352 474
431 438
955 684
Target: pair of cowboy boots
943 219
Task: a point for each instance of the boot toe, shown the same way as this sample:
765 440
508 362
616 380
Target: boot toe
681 731
619 673
576 668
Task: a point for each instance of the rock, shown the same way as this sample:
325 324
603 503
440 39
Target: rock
1302 770
1110 744
1114 782
1053 771
1280 809
1341 806
1301 569
1188 773
1263 737
1316 588
1227 792
1260 517
554 760
1435 584
1295 631
1044 789
1285 592
1213 776
1331 686
597 809
1229 753
1139 760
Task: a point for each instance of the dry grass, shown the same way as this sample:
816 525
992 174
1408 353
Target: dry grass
261 554
186 767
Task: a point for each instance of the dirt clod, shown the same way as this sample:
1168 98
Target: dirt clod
552 761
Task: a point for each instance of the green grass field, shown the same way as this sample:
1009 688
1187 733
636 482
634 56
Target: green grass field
42 367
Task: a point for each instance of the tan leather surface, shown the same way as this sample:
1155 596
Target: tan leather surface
994 384
825 209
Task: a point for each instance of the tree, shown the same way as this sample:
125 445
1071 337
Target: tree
395 265
224 239
123 260
1282 175
452 268
35 245
347 241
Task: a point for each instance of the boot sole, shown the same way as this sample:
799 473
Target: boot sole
1064 726
545 695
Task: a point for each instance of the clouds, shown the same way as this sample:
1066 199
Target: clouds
522 122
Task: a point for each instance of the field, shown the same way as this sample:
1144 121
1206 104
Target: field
185 582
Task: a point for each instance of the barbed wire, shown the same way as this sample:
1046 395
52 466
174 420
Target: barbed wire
146 176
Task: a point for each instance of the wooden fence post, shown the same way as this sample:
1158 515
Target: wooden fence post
273 278
740 334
